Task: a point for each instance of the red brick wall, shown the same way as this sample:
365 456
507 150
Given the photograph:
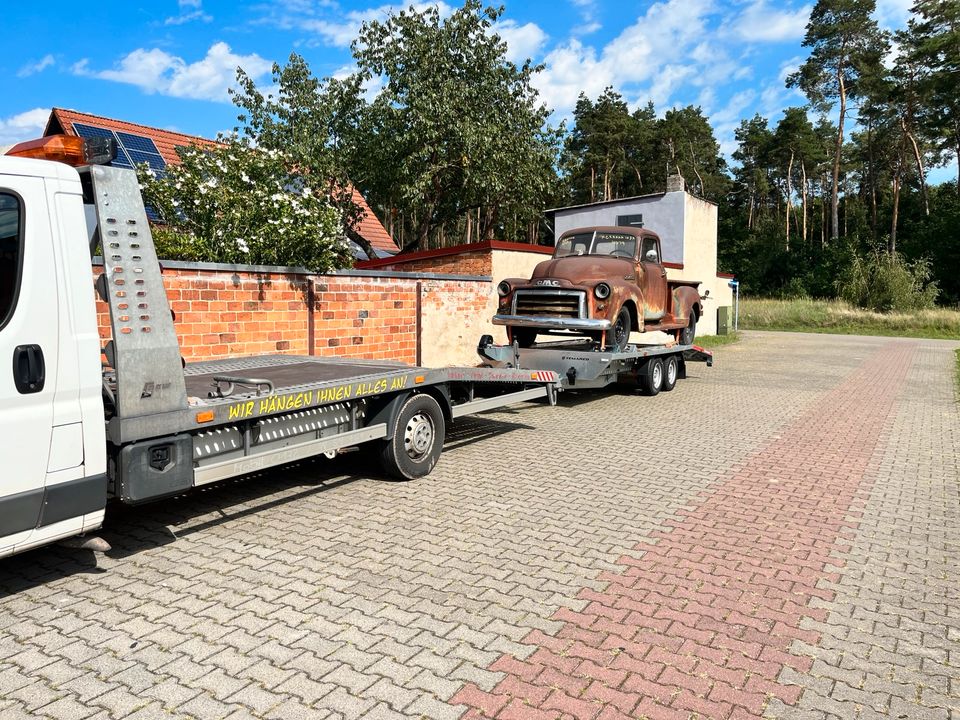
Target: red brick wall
230 314
474 263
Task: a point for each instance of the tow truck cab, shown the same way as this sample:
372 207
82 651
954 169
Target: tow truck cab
52 436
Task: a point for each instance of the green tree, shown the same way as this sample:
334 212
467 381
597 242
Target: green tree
845 46
933 43
455 129
795 148
693 151
312 122
754 141
236 204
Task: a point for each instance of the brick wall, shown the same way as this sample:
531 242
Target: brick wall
470 263
223 313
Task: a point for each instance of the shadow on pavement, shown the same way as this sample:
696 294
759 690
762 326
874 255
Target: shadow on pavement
134 529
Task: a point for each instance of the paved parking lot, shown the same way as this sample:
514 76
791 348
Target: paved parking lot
778 537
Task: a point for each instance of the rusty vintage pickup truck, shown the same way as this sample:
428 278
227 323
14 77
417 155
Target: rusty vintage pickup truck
603 282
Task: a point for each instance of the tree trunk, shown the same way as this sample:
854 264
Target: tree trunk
892 244
871 173
803 199
834 191
593 181
919 161
789 194
469 225
823 218
750 213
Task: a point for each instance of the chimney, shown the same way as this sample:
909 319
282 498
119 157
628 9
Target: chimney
675 183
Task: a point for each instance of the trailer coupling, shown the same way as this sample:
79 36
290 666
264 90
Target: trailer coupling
506 356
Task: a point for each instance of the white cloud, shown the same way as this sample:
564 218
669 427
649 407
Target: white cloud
190 10
651 52
761 23
33 68
23 126
893 14
588 17
523 41
157 71
333 26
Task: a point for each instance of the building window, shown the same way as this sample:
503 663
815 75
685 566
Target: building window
630 221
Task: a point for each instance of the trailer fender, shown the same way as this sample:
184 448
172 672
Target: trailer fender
389 407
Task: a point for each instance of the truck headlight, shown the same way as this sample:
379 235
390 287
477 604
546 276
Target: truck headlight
602 291
503 289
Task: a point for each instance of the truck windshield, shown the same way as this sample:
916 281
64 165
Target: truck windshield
597 243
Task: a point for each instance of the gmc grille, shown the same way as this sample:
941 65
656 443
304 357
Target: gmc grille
550 303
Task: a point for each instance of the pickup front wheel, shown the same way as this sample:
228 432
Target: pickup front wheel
618 336
525 337
690 331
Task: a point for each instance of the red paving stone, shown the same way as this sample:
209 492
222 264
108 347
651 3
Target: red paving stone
702 623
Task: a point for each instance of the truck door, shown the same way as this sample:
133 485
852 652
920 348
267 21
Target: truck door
654 280
28 353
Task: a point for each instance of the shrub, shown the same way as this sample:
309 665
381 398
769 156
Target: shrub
237 204
885 283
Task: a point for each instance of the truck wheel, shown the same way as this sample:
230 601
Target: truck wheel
525 337
417 439
618 336
652 382
690 331
671 371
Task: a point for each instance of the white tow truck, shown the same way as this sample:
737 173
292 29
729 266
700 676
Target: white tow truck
82 422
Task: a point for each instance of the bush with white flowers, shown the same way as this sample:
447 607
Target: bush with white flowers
237 204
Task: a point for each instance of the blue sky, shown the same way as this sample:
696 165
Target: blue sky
168 63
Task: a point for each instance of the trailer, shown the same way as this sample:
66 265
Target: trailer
582 364
82 423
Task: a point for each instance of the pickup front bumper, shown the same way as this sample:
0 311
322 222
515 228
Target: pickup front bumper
551 323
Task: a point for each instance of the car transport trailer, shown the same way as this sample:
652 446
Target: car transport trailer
581 364
81 423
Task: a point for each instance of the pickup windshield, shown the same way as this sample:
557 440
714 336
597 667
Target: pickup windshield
597 243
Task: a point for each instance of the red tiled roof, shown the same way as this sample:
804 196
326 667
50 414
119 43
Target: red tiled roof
371 228
62 120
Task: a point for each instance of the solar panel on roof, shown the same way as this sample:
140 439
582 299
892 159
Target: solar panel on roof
154 161
131 149
91 131
137 142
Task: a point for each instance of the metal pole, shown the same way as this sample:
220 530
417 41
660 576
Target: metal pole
736 309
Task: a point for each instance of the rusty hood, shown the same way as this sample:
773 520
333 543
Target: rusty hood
580 269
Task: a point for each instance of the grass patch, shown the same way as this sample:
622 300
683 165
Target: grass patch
958 373
836 316
712 341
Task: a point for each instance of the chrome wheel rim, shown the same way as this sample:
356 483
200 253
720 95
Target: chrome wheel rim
671 372
657 375
418 436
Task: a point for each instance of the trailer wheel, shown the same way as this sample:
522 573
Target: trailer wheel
671 371
652 382
690 331
417 439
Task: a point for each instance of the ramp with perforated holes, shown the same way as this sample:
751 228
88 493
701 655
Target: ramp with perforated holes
144 350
